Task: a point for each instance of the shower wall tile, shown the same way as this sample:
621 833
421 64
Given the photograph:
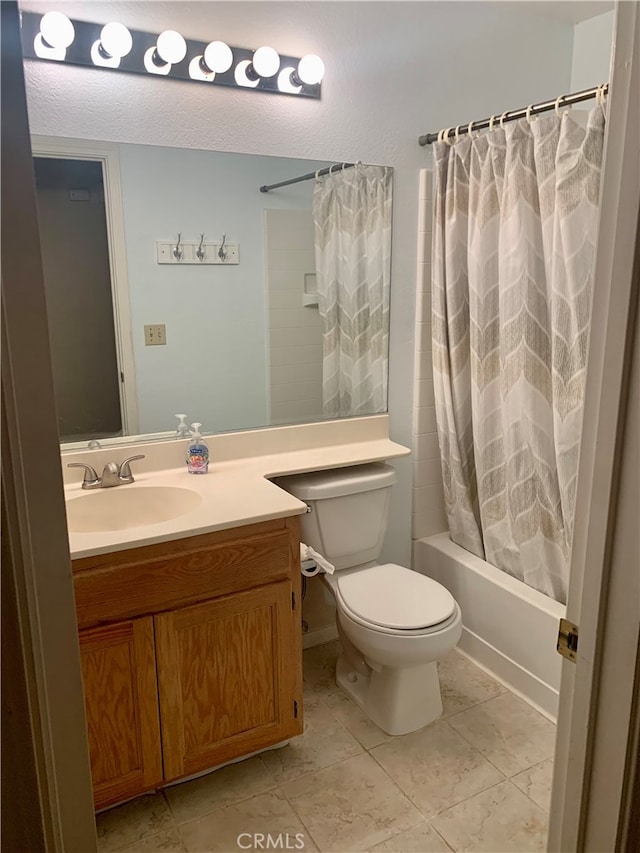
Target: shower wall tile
423 304
293 390
424 366
289 373
431 521
428 500
295 337
428 472
424 420
426 447
424 253
303 355
424 392
424 276
428 515
423 336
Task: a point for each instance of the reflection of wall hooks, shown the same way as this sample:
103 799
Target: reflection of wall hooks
199 252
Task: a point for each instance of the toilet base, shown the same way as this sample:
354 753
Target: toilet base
398 701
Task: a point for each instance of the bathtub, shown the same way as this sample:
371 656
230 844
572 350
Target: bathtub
509 628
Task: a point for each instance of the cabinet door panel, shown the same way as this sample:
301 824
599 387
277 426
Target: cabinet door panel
120 688
229 671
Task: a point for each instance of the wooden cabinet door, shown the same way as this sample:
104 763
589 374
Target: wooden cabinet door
229 677
121 701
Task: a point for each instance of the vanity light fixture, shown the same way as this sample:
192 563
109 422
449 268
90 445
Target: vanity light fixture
113 46
56 33
115 42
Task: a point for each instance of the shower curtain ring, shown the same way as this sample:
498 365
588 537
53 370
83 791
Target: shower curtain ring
557 107
502 118
457 133
528 116
470 129
491 122
446 135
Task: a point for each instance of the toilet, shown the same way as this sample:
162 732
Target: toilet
394 624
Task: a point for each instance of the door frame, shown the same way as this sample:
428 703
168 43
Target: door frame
596 746
49 808
108 155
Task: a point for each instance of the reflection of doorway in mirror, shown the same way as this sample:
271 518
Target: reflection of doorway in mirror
75 258
82 236
295 334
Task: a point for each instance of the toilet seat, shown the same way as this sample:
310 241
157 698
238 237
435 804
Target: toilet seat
393 599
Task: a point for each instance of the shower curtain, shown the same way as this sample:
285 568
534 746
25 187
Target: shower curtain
352 217
515 227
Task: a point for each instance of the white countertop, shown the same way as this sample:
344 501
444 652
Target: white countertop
234 492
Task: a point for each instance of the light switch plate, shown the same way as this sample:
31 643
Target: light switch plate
155 335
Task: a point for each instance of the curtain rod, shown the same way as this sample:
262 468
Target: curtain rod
512 115
308 177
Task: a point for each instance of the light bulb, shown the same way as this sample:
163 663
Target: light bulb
285 81
266 61
242 77
218 57
310 69
115 40
171 47
57 30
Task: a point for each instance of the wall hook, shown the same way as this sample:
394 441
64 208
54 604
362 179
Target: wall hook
178 254
222 252
200 253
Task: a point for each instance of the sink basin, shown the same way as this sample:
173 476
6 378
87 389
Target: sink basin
120 508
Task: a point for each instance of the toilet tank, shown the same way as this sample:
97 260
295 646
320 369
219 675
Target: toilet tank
349 510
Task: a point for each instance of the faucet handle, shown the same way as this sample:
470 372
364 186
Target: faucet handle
125 470
90 476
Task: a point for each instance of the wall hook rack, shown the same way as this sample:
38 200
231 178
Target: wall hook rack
200 251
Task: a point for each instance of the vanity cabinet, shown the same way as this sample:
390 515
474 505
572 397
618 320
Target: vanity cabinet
123 727
191 654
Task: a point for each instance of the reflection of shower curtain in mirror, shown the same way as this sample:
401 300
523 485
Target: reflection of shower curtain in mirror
352 216
515 229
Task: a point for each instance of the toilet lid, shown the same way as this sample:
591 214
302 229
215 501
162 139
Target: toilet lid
394 597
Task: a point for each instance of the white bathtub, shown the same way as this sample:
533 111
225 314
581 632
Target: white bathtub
509 629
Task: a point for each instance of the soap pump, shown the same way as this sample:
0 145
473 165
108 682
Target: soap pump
197 453
182 430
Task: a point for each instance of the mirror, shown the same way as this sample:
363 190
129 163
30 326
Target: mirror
223 323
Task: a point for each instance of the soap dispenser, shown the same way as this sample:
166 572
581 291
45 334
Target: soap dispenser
182 430
197 453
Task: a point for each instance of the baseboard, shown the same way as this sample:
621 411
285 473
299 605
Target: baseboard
319 636
525 684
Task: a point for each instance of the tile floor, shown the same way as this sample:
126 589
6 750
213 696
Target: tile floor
478 779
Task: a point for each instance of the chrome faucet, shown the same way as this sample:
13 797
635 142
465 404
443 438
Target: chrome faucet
112 474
